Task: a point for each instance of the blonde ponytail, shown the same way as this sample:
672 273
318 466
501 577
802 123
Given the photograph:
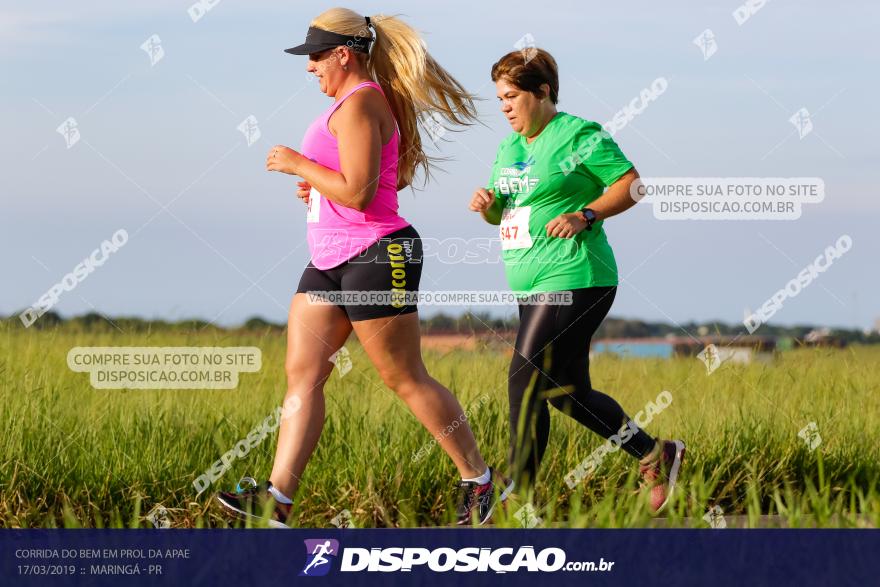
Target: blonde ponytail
416 86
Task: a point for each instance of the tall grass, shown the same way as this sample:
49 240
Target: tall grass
75 456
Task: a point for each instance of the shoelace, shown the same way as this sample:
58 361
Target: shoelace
654 472
466 493
650 470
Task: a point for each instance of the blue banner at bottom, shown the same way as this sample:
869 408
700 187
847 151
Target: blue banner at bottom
439 556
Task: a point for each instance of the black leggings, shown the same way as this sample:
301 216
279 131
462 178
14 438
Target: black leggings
551 363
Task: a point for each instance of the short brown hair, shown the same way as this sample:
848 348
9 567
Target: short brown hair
528 69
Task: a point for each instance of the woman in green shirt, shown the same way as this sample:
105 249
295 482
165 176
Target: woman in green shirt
546 194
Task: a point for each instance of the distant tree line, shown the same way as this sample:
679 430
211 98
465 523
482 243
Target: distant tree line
467 323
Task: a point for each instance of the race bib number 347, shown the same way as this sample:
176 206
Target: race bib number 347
515 228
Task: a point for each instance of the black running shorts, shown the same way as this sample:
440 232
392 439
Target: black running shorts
376 283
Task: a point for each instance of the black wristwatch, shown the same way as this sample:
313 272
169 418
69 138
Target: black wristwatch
589 217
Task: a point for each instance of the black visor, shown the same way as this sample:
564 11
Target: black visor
318 40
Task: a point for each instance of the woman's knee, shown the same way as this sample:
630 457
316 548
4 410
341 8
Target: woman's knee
561 402
404 379
565 397
307 375
524 380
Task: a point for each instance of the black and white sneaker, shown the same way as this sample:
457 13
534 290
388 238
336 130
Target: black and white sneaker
250 504
481 499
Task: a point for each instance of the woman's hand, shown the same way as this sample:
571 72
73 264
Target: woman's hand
482 200
283 159
566 225
485 202
303 191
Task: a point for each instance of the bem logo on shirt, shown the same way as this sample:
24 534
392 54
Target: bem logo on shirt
516 179
515 185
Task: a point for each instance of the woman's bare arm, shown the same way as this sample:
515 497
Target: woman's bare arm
360 154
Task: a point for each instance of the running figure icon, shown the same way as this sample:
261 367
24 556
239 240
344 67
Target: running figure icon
320 550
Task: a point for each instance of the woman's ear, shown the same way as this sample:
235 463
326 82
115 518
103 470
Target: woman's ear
545 91
342 56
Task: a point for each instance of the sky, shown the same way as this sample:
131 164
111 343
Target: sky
212 235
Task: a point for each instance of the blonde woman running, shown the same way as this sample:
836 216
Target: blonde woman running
354 159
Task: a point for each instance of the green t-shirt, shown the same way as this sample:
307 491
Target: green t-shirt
539 181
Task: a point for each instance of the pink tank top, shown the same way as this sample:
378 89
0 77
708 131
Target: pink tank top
337 233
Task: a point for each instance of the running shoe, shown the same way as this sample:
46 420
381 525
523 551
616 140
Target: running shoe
475 500
251 502
660 474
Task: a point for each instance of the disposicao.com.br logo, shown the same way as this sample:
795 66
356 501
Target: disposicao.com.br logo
441 560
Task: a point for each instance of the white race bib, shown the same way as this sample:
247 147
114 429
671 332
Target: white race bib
515 228
314 210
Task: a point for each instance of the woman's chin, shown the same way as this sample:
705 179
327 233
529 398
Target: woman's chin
517 126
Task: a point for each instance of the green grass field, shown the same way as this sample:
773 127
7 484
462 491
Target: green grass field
75 456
